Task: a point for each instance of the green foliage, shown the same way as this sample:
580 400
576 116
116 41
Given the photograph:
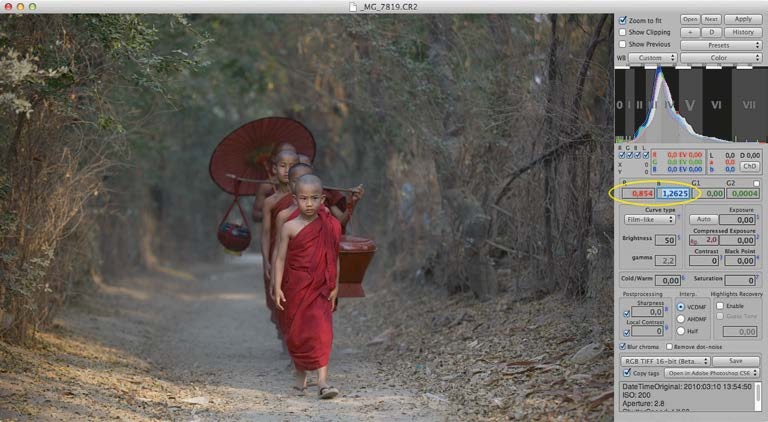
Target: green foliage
71 69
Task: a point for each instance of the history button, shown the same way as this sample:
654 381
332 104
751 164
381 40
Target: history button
743 32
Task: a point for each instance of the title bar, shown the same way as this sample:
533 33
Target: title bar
375 7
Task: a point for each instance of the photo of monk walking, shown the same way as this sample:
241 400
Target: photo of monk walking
215 214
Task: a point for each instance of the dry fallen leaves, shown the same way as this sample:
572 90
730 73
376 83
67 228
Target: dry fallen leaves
503 359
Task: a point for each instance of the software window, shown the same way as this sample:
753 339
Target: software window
557 210
689 173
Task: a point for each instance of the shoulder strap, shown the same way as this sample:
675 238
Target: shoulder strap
236 201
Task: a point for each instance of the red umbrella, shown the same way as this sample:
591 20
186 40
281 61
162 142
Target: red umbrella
245 153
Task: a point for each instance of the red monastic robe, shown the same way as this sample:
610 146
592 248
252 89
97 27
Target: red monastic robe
295 213
334 197
280 205
308 279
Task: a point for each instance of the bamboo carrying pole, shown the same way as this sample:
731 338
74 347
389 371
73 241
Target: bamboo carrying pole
269 182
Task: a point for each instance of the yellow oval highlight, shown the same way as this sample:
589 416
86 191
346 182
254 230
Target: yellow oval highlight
655 181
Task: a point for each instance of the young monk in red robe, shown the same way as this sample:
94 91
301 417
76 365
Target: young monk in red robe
280 200
334 200
306 284
267 189
293 211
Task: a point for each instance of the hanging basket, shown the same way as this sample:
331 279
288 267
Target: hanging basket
234 237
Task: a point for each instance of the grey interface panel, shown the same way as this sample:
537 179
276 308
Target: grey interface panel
692 38
691 126
689 278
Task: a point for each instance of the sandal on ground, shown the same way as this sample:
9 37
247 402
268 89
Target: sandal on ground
302 391
326 393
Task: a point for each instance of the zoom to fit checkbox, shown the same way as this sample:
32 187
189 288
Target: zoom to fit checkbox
622 20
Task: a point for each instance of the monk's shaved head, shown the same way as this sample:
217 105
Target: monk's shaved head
300 169
309 181
286 155
304 159
280 148
284 146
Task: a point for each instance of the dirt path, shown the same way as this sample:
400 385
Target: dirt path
189 345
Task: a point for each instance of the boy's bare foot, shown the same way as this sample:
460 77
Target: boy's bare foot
328 392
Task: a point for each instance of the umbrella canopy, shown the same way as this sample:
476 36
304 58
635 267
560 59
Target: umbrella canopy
246 152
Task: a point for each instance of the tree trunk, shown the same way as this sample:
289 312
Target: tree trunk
550 162
579 172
